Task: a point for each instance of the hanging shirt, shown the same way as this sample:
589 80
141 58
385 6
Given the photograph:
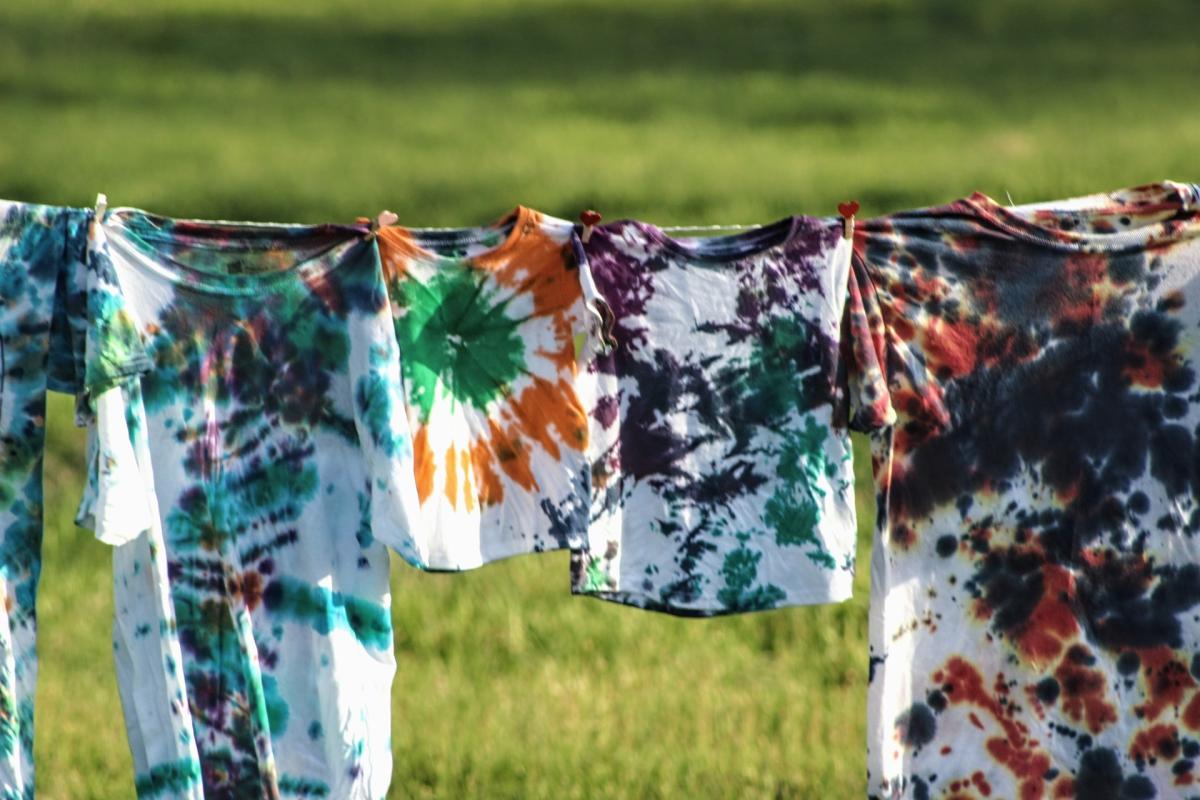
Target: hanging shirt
42 285
492 323
1035 586
281 461
119 506
721 481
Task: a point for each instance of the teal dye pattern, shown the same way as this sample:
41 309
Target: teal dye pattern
721 482
327 611
282 465
794 510
43 316
168 780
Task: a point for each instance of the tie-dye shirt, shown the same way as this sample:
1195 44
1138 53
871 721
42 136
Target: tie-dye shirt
119 505
492 323
721 482
281 461
1035 592
42 308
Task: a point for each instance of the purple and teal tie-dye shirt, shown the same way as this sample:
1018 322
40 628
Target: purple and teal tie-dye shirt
721 482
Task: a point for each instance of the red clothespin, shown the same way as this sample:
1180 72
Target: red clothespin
590 220
848 210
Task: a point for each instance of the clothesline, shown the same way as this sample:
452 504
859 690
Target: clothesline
102 205
672 228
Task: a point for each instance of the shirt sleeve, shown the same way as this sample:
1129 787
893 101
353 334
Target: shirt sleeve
593 334
68 325
118 500
113 348
118 494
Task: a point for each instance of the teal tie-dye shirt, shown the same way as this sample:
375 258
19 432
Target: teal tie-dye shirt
280 462
36 245
48 294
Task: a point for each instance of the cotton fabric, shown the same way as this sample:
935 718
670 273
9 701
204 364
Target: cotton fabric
722 482
42 279
270 431
493 325
1035 586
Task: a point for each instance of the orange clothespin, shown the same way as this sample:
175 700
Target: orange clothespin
590 220
848 210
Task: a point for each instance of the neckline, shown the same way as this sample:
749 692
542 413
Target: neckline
520 222
258 238
729 248
1182 199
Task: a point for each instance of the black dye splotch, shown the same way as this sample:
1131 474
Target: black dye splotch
1100 778
917 726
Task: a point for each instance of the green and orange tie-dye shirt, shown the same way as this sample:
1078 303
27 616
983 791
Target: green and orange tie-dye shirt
1035 586
492 325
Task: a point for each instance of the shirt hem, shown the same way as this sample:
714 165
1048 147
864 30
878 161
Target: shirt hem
832 595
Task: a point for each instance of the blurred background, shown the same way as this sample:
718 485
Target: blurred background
674 111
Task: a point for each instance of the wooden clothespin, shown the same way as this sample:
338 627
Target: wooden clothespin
848 210
101 206
382 220
590 220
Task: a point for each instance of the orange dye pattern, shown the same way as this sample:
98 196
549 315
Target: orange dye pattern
541 410
1157 741
470 493
423 463
491 490
1083 691
1014 750
1191 714
451 463
399 245
541 273
511 454
1052 622
1167 681
1083 300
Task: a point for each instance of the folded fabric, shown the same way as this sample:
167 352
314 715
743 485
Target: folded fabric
279 453
493 325
721 482
1035 592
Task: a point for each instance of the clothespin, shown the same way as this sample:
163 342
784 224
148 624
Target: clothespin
590 220
101 206
848 210
384 219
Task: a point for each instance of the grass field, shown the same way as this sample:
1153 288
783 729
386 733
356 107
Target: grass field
675 111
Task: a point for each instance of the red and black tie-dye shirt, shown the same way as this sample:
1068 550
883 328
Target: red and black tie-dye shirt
1035 588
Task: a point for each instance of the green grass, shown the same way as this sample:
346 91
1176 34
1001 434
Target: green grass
670 110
